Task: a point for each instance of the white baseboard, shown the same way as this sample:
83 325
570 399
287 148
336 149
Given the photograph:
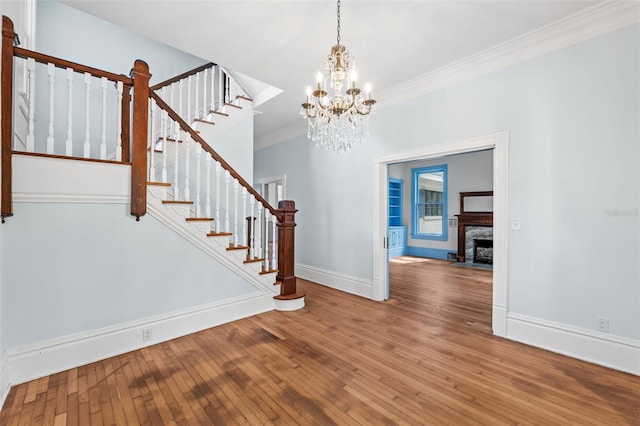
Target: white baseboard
499 320
614 352
4 380
335 280
49 357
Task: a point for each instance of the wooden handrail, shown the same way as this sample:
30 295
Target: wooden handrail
196 137
61 63
6 93
183 75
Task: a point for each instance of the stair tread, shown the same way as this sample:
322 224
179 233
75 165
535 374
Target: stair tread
238 247
254 260
232 105
244 97
171 140
199 219
201 120
159 183
176 202
219 113
219 234
293 296
269 271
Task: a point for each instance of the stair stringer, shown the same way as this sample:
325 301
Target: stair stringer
174 217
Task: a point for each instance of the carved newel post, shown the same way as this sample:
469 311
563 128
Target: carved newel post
286 239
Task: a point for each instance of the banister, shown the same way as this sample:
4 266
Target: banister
183 75
62 63
196 137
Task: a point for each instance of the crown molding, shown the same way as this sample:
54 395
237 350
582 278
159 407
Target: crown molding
591 22
586 24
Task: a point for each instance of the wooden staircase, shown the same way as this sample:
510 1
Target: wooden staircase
159 139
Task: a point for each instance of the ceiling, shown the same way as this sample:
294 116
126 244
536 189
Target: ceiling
284 43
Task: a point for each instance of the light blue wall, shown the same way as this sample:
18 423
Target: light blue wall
574 179
70 268
70 34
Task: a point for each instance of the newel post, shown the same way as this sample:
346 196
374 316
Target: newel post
141 76
6 94
286 239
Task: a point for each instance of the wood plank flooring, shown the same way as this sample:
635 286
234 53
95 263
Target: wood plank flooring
426 356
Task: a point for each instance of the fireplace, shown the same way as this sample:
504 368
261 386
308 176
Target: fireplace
472 226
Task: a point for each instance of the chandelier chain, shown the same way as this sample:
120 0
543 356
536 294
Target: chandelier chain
338 21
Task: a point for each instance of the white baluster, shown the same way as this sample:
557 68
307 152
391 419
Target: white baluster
213 88
164 136
204 94
218 218
103 136
252 228
188 120
51 71
274 243
244 215
152 143
180 90
208 185
187 167
227 178
176 183
87 122
258 237
198 158
119 88
236 185
267 255
196 111
31 70
69 143
171 101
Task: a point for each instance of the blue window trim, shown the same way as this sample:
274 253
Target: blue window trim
444 236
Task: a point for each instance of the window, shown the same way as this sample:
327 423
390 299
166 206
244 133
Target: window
429 203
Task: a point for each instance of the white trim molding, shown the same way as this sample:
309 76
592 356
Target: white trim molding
52 356
342 282
5 385
584 25
603 349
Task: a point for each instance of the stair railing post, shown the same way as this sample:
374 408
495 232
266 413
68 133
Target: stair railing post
286 239
6 93
139 141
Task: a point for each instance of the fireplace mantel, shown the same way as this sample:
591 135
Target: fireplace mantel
471 219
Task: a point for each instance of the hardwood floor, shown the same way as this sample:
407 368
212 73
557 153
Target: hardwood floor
424 357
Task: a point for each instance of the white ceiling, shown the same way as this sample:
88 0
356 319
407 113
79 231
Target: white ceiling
284 43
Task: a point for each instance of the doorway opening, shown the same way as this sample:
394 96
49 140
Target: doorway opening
499 143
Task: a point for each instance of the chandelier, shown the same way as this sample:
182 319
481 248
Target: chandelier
339 120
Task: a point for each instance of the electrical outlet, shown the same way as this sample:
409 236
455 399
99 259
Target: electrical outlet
146 334
515 223
603 324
